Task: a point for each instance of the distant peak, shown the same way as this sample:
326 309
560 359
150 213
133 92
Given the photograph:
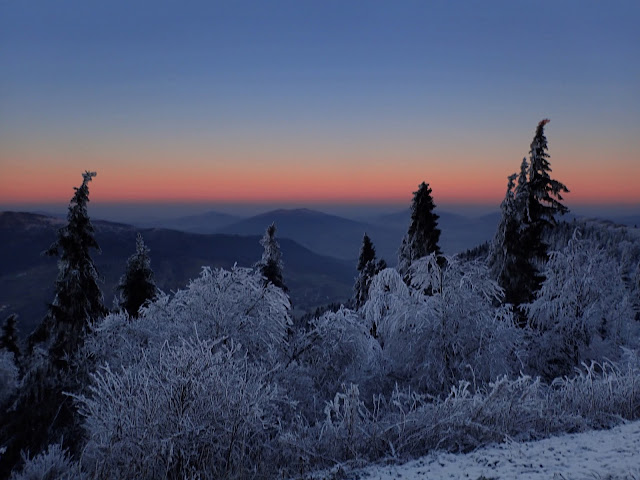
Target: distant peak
294 212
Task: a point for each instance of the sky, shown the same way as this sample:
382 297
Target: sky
315 102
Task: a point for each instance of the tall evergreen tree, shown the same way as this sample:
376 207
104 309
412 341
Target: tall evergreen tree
78 300
271 263
423 235
518 251
367 268
9 337
137 286
545 193
511 251
43 412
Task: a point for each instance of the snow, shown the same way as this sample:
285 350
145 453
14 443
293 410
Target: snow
604 454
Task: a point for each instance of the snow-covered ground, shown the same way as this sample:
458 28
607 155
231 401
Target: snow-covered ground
598 455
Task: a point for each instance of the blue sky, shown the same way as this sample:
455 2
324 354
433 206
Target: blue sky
310 89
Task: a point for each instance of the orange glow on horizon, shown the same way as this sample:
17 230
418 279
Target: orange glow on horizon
364 183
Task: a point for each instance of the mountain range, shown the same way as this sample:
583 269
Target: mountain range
27 277
341 237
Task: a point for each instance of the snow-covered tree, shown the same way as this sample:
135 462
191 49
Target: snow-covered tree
271 263
9 336
367 268
78 301
510 256
137 286
43 412
423 234
518 251
499 253
583 310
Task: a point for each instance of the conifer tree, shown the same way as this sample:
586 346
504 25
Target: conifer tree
43 411
545 193
9 337
423 235
271 263
510 255
367 269
78 300
518 251
137 286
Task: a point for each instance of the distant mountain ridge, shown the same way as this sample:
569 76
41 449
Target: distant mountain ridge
321 232
27 277
208 222
341 237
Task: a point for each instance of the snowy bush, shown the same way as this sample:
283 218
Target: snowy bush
336 349
8 376
583 311
451 333
407 424
52 464
219 305
196 409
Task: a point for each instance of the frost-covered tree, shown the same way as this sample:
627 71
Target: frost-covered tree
367 268
423 234
518 251
43 412
583 311
137 286
271 263
78 301
510 257
499 252
9 336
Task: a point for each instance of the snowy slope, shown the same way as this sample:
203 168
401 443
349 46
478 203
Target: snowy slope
606 454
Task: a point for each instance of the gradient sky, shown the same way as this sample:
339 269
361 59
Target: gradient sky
315 101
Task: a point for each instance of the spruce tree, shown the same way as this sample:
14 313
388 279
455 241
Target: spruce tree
518 251
78 300
137 285
545 193
9 337
499 252
43 411
271 263
423 235
367 268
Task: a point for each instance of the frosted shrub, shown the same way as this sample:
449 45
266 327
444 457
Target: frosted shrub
336 349
583 311
454 332
193 408
227 305
347 424
52 464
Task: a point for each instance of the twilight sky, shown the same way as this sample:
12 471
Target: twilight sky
315 101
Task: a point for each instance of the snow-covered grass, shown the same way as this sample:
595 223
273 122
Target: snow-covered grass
595 455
